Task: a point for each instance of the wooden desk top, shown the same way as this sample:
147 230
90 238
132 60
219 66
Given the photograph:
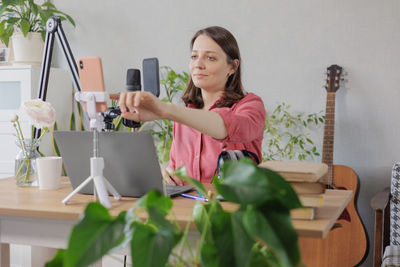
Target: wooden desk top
33 202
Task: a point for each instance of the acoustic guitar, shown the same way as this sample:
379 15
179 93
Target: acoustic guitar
346 244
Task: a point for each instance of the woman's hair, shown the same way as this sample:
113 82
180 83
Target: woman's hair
233 87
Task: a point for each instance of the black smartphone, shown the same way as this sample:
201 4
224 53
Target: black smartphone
151 76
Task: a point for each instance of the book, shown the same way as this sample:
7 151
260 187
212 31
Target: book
303 213
298 171
312 200
308 188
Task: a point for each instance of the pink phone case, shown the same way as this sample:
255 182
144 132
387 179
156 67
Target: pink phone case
91 76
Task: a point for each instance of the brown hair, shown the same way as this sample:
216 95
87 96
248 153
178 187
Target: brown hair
233 87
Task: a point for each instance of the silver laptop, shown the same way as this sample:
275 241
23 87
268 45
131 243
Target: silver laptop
130 161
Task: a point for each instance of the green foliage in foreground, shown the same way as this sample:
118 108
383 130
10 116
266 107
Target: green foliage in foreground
258 233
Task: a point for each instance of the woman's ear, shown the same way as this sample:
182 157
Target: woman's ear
235 65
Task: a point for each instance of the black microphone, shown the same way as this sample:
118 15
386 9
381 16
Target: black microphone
132 84
133 80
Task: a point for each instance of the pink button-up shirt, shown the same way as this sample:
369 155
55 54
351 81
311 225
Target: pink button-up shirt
245 122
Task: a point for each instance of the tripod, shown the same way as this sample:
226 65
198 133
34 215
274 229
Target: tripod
101 185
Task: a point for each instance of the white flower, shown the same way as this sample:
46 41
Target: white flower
41 113
14 117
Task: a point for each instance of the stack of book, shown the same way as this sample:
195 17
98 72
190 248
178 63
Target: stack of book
305 178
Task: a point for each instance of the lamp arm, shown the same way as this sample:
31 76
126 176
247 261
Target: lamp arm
54 29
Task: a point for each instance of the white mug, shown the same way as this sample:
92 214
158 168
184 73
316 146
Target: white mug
49 172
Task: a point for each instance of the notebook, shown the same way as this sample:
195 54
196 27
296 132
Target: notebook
130 161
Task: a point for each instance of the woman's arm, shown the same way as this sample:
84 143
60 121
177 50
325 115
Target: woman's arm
144 106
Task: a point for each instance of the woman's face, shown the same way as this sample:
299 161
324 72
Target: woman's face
208 65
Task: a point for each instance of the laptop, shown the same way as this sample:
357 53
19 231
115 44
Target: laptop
130 161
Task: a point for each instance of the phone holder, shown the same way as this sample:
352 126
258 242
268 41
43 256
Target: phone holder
101 185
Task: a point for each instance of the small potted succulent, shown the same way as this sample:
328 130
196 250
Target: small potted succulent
25 21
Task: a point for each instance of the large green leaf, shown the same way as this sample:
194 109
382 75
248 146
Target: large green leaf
261 257
25 26
58 260
157 237
209 255
274 228
245 183
95 235
202 220
243 242
221 229
155 199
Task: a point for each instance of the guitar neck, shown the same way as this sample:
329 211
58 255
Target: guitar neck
329 131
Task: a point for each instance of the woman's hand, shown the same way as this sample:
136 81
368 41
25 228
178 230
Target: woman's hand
141 106
169 178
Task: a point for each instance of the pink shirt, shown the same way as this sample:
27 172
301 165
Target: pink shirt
245 122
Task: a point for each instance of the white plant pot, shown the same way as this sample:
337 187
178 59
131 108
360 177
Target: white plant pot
27 50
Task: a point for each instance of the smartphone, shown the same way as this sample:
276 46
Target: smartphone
151 76
92 80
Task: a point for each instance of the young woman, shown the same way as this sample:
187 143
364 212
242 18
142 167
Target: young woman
218 114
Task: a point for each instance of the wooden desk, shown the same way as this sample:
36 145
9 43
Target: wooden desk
38 218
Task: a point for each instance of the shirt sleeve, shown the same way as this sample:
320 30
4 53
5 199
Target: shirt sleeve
244 122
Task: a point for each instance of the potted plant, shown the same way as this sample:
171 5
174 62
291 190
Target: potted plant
258 232
25 22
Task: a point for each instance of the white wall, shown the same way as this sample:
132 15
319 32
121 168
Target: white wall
286 47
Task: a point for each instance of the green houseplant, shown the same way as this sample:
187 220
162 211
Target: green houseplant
26 16
286 135
258 233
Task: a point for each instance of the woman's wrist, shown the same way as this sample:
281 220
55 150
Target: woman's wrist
168 111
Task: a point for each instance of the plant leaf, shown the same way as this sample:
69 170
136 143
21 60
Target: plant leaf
25 26
57 260
274 227
94 236
245 183
181 173
155 199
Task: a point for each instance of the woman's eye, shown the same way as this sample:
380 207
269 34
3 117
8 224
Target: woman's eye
212 58
193 56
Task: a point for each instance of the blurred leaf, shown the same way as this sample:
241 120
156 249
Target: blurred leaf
245 183
58 259
94 236
181 173
274 228
155 199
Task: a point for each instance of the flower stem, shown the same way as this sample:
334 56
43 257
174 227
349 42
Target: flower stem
21 135
27 161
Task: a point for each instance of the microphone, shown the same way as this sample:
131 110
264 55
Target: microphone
133 80
132 84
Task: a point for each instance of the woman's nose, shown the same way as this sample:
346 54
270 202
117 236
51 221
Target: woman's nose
199 63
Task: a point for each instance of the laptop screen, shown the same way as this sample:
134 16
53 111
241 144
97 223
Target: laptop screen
130 160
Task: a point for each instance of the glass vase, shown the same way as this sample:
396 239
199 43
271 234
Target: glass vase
25 164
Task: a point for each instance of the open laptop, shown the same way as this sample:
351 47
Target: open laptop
130 161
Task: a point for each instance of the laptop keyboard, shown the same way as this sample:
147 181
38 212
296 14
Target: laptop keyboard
173 190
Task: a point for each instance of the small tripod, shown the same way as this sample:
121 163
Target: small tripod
101 185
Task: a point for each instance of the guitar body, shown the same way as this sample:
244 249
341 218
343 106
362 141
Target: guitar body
343 246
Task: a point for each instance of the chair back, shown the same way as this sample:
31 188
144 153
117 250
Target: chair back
395 206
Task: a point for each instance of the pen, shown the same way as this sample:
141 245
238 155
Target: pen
194 197
198 192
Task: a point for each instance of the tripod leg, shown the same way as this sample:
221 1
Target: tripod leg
65 200
112 190
102 191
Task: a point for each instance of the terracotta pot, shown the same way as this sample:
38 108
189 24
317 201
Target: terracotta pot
27 50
